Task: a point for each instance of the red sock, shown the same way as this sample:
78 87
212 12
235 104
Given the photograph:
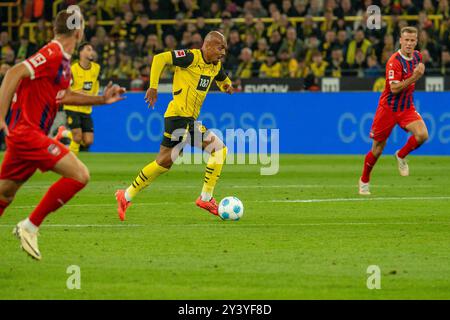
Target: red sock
3 206
59 193
410 146
369 163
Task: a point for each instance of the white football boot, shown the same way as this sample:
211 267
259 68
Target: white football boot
403 167
28 240
364 188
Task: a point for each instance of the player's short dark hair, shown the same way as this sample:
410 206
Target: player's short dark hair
62 23
409 30
82 46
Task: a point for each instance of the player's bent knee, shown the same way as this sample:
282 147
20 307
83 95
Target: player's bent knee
422 137
8 191
85 177
83 174
377 149
88 140
165 162
164 158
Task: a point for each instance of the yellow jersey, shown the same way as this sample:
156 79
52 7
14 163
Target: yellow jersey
379 85
288 69
191 81
319 70
273 71
86 81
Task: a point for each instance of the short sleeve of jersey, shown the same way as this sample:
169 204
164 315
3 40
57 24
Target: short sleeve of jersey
182 58
43 63
394 71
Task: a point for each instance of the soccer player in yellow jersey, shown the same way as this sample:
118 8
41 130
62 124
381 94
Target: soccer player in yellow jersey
85 74
195 70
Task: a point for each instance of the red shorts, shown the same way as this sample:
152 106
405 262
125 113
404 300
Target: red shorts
25 153
386 119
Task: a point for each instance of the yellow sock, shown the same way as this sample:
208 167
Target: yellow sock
213 170
145 177
74 147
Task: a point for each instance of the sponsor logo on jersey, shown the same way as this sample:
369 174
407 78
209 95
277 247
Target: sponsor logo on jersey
87 86
203 83
37 60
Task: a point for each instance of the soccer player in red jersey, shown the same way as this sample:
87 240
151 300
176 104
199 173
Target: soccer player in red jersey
396 106
29 98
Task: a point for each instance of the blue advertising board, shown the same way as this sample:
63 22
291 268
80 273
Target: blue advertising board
308 123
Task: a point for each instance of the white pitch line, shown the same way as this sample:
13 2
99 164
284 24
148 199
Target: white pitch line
112 204
356 199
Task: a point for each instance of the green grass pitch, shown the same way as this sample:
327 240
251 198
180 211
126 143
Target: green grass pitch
289 245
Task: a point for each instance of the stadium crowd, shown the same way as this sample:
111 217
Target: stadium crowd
334 47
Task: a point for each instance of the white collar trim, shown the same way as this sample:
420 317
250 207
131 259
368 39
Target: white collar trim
404 57
66 55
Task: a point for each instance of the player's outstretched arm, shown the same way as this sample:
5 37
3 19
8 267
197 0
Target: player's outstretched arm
112 94
417 74
8 88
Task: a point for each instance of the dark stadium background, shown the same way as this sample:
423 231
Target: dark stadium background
127 33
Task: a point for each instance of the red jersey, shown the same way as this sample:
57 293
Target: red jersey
34 104
399 68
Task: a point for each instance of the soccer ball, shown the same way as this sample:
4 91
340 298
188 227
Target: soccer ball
231 208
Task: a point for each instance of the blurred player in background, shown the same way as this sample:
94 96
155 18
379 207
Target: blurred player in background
85 74
396 107
194 73
32 92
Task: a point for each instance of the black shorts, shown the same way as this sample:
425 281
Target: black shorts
182 130
80 120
